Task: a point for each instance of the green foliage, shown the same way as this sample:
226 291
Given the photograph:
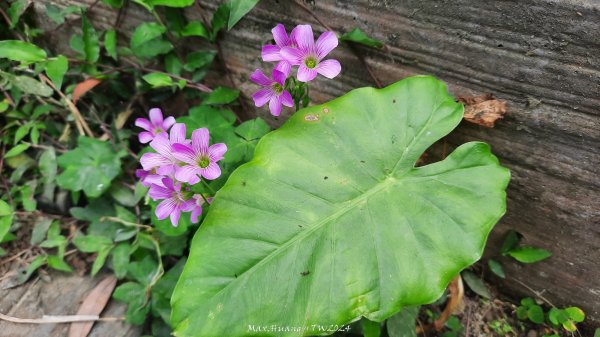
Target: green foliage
237 10
91 44
403 324
6 217
221 95
454 326
476 284
496 268
358 36
529 254
90 167
157 80
558 318
370 328
56 69
359 165
511 241
21 51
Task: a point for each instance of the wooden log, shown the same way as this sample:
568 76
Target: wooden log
541 56
61 296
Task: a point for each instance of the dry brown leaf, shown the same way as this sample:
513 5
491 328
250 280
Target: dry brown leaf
483 109
93 304
83 87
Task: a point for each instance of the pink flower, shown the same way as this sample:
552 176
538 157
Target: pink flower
309 55
173 201
156 125
272 91
197 210
271 53
147 178
199 160
163 161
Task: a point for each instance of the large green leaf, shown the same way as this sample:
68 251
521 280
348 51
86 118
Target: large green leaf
90 167
332 221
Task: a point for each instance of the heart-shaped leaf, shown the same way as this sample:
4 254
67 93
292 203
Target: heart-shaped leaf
332 221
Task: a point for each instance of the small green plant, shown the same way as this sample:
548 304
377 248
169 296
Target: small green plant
557 318
454 326
501 327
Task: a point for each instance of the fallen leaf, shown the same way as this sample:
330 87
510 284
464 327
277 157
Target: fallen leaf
83 87
483 109
93 304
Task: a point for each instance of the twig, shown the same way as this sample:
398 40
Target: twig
1 177
536 293
354 50
309 11
79 121
8 98
125 223
8 22
188 83
50 319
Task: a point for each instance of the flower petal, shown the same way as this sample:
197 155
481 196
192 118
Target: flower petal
145 137
303 36
168 122
187 174
152 160
262 96
175 217
166 170
260 78
285 67
279 77
188 205
177 133
286 99
212 171
156 117
280 35
306 74
152 179
326 43
329 68
157 192
144 124
293 55
200 140
184 153
216 151
165 208
275 106
270 53
162 145
196 213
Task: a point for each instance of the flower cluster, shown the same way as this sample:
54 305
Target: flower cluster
297 49
177 164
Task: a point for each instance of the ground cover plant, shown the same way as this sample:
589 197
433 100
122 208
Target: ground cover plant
213 223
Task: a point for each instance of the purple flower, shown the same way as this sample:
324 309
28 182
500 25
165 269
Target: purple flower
309 55
200 159
147 178
197 210
156 125
272 91
271 53
173 201
163 161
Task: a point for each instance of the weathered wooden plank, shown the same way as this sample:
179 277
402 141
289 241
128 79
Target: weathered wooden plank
61 296
544 50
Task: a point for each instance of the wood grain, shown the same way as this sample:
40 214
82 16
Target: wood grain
540 56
